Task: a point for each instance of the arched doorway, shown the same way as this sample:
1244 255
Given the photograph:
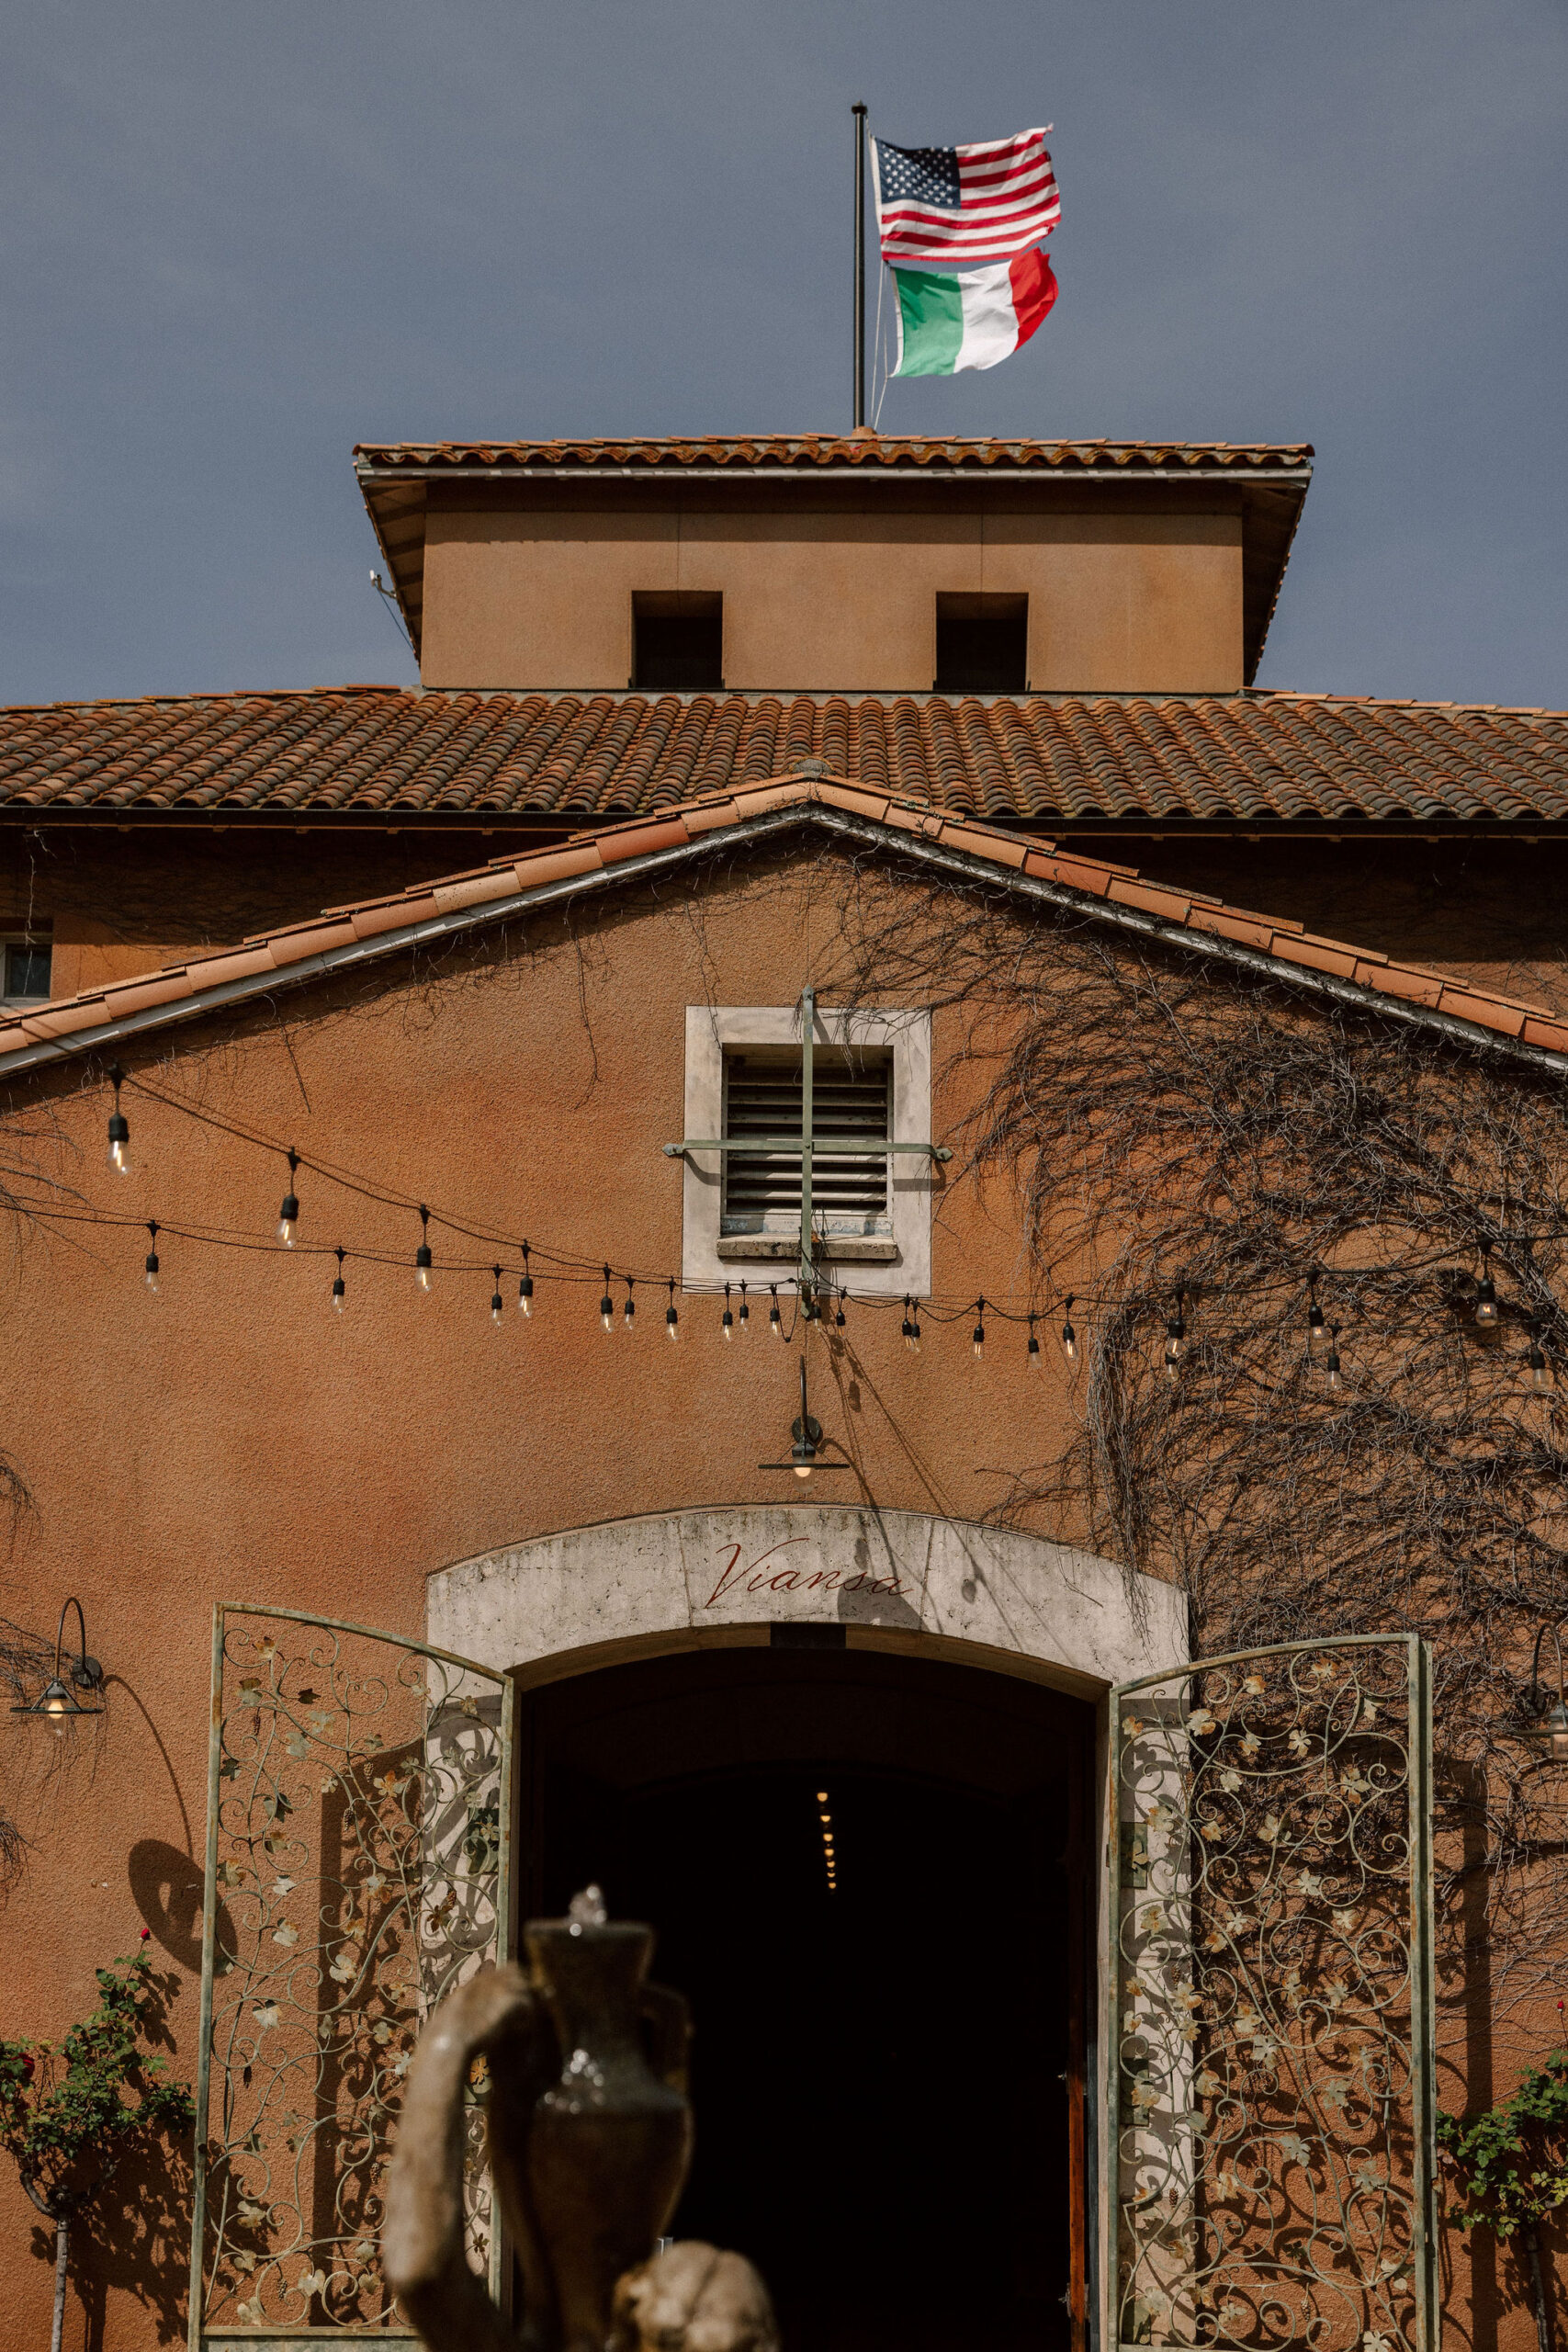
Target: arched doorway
889 2059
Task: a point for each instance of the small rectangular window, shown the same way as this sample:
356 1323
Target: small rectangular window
850 1097
982 645
26 971
678 643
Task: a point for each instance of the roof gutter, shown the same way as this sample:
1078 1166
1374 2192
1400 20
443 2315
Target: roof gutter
258 987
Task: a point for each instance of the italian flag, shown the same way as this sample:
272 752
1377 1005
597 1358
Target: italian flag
971 317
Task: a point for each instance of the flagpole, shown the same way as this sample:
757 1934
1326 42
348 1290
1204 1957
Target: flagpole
858 111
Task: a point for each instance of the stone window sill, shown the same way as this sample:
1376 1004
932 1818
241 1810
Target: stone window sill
774 1248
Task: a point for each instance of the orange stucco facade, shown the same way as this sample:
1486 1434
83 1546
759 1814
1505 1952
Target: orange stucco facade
1126 594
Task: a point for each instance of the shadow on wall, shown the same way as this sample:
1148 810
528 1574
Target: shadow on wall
166 1886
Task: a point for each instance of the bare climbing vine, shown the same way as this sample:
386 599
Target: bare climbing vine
1178 1131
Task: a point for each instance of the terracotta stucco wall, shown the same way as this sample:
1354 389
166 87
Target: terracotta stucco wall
1135 603
235 1438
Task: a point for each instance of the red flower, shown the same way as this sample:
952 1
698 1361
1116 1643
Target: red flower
146 1932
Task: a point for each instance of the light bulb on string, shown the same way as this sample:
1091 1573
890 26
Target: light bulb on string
1331 1361
838 1315
1317 1329
907 1328
607 1305
1069 1336
726 1320
629 1312
914 1327
339 1290
978 1341
1032 1354
423 1261
1486 1308
497 1303
1540 1375
525 1287
1175 1340
288 1214
672 1314
775 1320
119 1126
744 1317
152 1256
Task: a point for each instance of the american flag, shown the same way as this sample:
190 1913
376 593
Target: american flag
960 205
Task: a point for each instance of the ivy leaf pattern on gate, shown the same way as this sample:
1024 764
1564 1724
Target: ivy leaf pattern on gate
1266 2094
359 1791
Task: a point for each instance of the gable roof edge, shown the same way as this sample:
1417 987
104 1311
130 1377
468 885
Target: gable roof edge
909 839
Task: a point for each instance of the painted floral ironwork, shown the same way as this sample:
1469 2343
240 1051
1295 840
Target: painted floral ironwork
1270 2096
355 1873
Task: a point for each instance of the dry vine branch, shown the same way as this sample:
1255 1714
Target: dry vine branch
1168 1124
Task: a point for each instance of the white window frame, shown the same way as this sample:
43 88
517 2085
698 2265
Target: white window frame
875 1267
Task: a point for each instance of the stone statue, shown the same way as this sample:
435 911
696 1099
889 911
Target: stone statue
589 2150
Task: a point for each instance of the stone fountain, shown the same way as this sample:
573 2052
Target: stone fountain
589 2132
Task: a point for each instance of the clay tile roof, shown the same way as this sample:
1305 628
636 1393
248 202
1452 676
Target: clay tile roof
810 795
906 451
562 759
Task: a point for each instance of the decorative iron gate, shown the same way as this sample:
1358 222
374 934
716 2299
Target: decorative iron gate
358 1793
1270 2092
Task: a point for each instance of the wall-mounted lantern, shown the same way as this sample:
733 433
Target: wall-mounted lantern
1549 1721
806 1453
58 1701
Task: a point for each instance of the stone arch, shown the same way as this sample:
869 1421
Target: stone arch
727 1574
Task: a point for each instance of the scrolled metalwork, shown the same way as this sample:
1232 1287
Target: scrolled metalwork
357 1788
1269 2098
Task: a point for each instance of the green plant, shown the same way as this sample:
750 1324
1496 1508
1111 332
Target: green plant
65 2117
1509 2166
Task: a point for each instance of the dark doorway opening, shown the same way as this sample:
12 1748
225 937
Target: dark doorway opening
678 642
888 2059
982 645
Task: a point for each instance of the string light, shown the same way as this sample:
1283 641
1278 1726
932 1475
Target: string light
1069 1336
423 1261
826 1818
726 1320
339 1288
1317 1329
839 1317
525 1287
1032 1353
745 1315
607 1305
497 1303
672 1314
907 1328
914 1343
288 1214
980 1340
775 1320
1486 1309
1175 1340
119 1126
1540 1378
629 1312
1331 1362
152 1256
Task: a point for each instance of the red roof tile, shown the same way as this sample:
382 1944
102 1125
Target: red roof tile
565 760
1114 894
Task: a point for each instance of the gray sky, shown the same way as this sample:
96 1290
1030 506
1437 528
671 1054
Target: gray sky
235 239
